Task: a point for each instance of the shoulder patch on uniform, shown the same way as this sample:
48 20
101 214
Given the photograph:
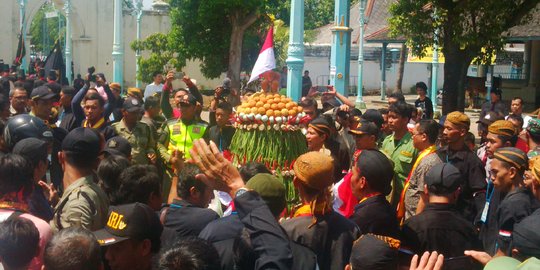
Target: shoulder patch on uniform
176 129
406 153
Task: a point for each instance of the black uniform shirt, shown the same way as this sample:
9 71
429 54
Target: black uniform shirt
222 137
226 233
69 121
331 238
222 234
187 219
375 215
472 198
516 205
440 228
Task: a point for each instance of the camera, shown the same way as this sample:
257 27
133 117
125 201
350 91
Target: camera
91 76
226 85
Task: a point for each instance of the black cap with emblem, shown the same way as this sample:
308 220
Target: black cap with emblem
132 104
42 92
82 142
188 99
136 220
118 146
365 127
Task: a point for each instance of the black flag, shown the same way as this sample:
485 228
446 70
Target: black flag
21 50
55 61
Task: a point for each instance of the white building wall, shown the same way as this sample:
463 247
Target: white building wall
92 37
319 69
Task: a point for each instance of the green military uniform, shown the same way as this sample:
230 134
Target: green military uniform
403 154
178 135
83 204
141 140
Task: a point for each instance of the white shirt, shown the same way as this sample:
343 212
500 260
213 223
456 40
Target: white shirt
526 119
151 89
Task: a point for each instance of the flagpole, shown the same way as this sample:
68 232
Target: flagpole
22 13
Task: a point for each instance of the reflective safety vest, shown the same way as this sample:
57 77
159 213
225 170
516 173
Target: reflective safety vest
181 136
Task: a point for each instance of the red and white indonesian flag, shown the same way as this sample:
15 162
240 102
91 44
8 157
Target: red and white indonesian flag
266 60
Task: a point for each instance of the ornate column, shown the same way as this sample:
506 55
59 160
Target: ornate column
295 53
363 20
383 71
435 68
341 48
67 10
22 27
118 45
138 13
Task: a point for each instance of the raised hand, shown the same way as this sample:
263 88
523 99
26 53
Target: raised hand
480 256
50 192
169 78
177 160
221 174
433 261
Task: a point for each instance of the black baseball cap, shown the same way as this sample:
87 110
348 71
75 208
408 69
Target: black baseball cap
188 99
132 104
443 178
42 92
68 90
374 116
375 252
135 220
490 118
365 127
32 149
118 146
82 141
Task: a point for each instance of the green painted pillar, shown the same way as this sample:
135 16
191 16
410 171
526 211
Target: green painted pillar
118 45
68 48
341 47
22 26
435 71
139 13
383 71
295 53
363 20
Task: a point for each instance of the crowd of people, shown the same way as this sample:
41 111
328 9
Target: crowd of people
91 178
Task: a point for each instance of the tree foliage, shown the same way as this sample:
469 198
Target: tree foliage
161 54
43 29
204 29
209 30
468 29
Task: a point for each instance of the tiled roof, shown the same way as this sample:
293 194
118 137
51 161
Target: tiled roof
376 11
529 30
383 35
376 30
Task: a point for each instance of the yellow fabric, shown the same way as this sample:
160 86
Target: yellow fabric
315 169
97 125
401 204
304 210
459 118
502 127
181 136
534 164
